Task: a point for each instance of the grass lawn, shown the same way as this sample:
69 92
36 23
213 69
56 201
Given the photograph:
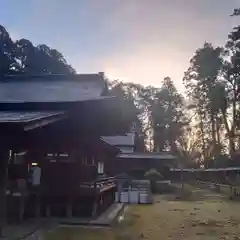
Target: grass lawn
209 218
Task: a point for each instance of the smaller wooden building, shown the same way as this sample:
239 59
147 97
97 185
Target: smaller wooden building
125 143
136 163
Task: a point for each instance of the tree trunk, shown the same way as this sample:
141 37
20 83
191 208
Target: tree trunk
229 134
173 147
218 132
158 141
202 136
239 143
233 129
213 132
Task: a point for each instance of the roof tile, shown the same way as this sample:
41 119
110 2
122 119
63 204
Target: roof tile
51 88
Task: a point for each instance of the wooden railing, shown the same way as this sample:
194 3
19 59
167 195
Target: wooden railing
100 183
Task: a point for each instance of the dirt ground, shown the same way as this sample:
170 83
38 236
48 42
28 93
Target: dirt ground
204 215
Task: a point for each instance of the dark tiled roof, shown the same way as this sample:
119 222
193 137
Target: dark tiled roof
205 169
120 140
146 155
51 88
25 117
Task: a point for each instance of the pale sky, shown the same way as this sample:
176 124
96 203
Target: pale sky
141 41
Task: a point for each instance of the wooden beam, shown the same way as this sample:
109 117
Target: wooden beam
106 188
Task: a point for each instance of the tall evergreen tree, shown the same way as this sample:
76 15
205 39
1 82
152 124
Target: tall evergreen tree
168 117
201 80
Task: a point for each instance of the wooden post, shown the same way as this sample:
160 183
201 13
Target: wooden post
95 207
109 198
182 179
102 202
119 189
21 208
69 208
113 195
4 157
48 211
37 205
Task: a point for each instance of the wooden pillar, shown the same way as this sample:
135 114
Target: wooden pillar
119 189
21 208
95 207
105 200
102 202
110 197
182 179
113 195
69 208
37 205
48 211
4 157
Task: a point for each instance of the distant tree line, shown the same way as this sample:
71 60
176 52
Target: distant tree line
160 117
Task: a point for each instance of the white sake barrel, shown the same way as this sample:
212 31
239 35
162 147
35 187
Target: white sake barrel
134 195
144 198
124 197
116 197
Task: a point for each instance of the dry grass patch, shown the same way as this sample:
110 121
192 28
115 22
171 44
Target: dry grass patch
212 218
187 220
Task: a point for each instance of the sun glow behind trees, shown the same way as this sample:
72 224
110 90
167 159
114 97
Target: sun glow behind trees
202 124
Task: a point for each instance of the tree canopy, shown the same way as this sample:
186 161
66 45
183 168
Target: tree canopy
22 57
200 126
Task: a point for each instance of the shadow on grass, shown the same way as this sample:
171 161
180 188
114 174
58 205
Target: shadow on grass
123 230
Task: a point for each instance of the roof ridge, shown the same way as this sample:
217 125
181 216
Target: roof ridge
54 77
